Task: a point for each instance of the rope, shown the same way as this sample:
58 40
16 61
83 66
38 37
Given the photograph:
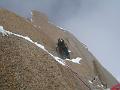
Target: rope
80 78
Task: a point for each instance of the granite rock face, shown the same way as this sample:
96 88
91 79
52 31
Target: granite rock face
24 66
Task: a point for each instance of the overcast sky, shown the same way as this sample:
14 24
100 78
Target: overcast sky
94 22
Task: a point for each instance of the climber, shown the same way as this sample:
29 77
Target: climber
62 49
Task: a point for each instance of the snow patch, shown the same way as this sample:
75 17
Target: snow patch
39 45
90 82
61 61
77 60
69 51
31 15
98 85
27 38
57 26
102 85
60 27
4 32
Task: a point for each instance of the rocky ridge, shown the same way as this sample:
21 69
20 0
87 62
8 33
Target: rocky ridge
23 65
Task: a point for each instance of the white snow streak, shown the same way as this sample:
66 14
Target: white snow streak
69 51
90 82
61 61
4 32
77 60
98 85
57 26
41 46
31 15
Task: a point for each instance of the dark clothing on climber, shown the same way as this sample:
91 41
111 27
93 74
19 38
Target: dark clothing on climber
62 49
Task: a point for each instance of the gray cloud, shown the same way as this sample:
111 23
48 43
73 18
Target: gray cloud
55 9
23 7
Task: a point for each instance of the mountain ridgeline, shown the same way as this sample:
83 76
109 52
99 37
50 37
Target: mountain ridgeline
26 66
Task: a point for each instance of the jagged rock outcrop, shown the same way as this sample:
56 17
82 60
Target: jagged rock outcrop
25 66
